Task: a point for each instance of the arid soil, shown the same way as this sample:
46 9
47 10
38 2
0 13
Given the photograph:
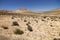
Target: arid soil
29 27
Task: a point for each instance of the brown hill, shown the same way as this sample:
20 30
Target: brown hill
29 12
53 12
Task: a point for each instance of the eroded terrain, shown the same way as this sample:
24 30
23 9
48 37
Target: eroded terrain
29 27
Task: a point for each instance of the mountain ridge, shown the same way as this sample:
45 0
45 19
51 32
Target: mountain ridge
27 11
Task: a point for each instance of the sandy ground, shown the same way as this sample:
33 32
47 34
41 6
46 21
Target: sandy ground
43 27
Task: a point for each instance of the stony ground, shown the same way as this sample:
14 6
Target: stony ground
24 27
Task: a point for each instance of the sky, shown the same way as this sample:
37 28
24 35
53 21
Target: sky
35 5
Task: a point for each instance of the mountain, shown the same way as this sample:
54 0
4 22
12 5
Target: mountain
23 10
29 12
53 11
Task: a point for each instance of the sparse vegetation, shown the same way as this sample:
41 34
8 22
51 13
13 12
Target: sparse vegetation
36 21
12 17
56 39
29 27
25 20
51 25
52 20
59 17
29 23
43 20
59 33
44 16
15 24
18 31
4 27
47 18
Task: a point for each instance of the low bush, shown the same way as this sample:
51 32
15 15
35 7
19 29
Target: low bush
15 24
18 31
25 20
4 27
29 27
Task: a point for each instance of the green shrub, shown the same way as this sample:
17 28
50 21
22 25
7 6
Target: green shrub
29 27
15 24
18 31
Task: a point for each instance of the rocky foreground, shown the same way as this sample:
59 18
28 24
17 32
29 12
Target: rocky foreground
29 27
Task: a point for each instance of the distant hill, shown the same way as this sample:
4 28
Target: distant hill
27 11
23 10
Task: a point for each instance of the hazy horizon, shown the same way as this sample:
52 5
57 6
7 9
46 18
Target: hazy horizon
35 5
